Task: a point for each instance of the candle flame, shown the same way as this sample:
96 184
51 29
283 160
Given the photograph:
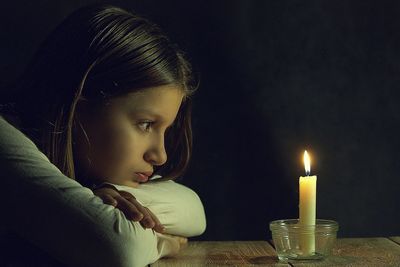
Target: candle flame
307 164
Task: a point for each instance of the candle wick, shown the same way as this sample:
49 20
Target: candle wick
307 173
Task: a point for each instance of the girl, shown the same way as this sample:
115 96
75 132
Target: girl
107 100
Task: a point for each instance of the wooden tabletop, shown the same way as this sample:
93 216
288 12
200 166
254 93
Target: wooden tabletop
378 251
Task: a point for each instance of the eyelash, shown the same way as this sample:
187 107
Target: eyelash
145 125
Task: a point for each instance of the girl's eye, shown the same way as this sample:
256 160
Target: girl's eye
145 125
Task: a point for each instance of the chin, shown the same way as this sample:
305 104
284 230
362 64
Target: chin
134 184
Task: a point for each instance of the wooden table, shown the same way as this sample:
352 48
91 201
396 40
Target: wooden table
377 252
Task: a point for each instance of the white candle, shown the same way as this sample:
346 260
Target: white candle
307 207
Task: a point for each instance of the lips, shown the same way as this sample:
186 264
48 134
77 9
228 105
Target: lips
143 176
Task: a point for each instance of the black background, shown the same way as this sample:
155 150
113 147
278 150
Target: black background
277 77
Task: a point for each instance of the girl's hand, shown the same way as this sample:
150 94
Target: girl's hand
183 241
171 244
128 204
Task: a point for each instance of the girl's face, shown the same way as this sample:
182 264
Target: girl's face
127 136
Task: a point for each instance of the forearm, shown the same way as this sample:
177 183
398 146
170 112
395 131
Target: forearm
81 237
177 207
185 216
60 216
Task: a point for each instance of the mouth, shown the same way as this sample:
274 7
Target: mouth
142 176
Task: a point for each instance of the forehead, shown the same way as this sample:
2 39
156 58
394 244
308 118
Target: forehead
162 100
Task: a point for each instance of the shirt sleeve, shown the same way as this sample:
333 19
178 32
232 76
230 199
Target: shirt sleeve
62 217
177 207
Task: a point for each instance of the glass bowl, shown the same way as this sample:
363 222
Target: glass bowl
294 241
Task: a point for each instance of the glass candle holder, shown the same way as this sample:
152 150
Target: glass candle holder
294 241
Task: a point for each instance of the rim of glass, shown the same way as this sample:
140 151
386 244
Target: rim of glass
294 224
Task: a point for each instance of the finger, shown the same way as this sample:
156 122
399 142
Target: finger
158 227
172 245
126 195
147 220
129 209
107 199
183 242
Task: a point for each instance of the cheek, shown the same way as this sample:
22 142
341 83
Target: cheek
117 151
115 146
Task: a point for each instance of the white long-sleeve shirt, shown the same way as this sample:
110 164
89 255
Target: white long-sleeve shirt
68 221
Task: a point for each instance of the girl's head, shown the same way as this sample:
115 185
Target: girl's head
103 95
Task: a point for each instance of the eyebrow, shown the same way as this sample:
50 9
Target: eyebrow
147 111
151 113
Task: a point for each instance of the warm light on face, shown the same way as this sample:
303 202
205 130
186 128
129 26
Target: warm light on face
307 164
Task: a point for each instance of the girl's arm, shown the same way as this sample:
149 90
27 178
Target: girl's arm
177 207
63 218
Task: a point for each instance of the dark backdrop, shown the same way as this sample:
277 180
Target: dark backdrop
277 77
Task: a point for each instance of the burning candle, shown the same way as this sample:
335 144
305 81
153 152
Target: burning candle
307 207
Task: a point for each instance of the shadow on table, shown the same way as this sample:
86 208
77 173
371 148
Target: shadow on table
264 260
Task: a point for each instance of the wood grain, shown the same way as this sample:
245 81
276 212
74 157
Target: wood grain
347 252
360 252
219 253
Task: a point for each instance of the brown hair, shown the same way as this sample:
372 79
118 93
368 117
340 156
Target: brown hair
96 53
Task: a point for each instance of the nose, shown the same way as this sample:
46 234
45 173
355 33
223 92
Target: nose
156 154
